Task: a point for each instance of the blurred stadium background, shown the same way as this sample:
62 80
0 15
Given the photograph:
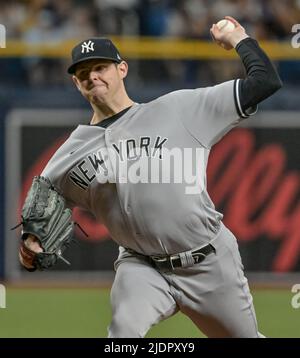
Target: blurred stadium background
254 173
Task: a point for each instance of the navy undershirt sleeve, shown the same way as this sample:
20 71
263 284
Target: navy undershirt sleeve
262 78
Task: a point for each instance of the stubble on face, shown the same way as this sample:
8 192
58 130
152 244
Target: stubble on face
97 94
98 88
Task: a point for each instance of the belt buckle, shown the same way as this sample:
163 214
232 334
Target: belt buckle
165 259
171 258
159 258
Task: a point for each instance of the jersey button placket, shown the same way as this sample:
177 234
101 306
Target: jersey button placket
108 141
121 178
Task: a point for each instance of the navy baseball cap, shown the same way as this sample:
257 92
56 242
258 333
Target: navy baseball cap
93 48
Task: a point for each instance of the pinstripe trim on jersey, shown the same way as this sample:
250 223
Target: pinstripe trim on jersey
236 90
236 94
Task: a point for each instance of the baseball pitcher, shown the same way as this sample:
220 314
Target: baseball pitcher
140 168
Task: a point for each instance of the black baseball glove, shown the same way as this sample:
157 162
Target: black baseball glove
46 217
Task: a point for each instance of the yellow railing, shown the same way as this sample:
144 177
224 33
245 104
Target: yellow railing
150 48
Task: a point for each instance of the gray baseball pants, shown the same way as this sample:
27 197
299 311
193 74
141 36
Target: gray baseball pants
214 294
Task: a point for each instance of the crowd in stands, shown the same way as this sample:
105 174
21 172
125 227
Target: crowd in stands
55 20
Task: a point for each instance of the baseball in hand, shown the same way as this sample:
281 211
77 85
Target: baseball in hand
225 25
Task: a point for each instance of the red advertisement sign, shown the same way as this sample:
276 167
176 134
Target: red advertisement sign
253 179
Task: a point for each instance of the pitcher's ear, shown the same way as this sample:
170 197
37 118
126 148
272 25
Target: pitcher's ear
123 68
76 82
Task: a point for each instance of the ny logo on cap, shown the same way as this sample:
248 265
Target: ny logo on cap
87 47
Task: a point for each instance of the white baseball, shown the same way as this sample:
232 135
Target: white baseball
225 25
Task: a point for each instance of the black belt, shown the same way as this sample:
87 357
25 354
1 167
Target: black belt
179 260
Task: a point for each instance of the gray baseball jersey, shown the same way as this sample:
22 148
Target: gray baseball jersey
144 177
167 214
